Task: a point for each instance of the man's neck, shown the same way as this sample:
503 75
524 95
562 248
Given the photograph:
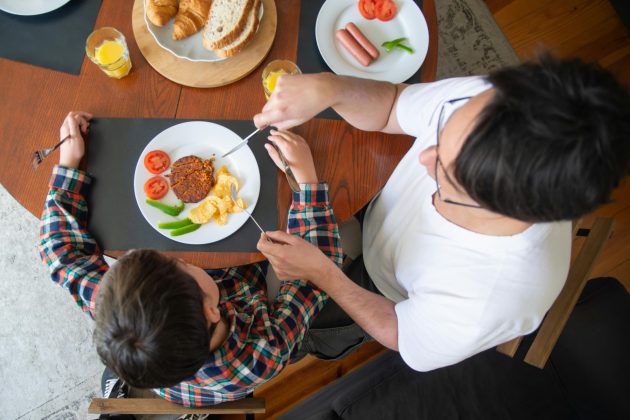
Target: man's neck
480 220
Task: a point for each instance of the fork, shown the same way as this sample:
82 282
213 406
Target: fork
234 199
40 155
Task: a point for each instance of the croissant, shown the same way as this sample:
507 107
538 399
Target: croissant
191 17
160 12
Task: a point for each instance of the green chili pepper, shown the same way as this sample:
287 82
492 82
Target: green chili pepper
186 229
176 224
396 43
170 210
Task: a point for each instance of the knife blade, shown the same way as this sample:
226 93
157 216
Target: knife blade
241 144
293 183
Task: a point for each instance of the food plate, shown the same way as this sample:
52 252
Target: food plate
206 140
396 66
30 7
190 48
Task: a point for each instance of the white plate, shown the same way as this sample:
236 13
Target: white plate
190 48
30 7
206 140
396 66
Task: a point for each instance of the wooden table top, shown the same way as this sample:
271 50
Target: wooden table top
35 100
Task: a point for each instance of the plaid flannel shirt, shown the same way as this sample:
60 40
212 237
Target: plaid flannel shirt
262 336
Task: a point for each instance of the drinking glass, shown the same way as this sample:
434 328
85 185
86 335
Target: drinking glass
107 48
275 69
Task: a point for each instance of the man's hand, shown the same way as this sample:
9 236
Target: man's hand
72 150
297 154
296 99
294 258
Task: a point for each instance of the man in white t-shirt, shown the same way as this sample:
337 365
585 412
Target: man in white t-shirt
468 243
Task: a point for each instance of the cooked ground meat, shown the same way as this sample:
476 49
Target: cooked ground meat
191 178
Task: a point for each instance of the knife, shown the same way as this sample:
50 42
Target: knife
241 144
295 186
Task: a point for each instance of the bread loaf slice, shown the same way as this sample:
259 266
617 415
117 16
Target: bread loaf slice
246 35
226 21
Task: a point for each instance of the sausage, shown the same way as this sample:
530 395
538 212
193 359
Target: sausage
362 40
351 44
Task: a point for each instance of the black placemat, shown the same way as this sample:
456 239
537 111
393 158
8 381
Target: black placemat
54 40
113 149
309 60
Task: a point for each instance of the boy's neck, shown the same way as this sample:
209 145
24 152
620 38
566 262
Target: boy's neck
220 334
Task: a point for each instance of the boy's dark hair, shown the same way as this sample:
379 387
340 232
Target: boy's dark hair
150 325
551 144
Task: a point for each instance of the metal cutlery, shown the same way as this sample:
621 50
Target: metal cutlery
293 183
234 199
40 155
241 144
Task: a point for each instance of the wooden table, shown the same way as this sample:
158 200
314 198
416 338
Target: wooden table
35 100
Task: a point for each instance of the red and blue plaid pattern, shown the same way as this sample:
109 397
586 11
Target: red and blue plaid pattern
262 336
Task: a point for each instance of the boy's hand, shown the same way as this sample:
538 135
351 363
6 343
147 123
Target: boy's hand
72 150
297 154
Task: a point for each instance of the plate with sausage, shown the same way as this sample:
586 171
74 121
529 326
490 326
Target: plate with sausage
351 44
181 167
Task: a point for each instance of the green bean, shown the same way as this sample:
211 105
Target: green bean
396 43
170 210
186 229
175 224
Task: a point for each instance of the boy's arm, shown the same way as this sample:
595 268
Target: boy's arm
298 302
66 247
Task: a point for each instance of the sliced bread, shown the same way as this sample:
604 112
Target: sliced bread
226 21
246 35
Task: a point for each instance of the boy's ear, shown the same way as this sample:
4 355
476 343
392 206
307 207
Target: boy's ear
211 313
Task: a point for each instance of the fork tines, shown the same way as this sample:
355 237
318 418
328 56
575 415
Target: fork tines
39 155
37 159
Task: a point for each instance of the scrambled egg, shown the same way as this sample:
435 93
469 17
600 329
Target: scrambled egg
219 205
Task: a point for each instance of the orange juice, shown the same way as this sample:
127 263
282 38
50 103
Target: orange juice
270 81
113 58
107 48
273 71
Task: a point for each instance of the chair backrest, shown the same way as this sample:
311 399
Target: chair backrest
586 252
247 406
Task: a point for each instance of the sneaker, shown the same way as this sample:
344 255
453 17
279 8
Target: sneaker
114 387
196 417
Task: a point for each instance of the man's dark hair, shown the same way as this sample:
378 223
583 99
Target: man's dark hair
150 325
551 144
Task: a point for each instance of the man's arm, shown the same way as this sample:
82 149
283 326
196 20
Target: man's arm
293 257
369 105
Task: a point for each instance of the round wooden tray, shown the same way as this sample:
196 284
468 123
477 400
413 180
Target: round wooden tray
206 74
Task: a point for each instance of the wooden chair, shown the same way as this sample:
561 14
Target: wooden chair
247 406
587 245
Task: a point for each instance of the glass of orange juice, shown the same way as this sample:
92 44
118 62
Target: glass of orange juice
107 48
275 69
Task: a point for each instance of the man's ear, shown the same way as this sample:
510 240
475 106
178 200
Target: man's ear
211 313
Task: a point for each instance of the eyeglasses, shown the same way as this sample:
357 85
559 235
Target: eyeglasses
438 162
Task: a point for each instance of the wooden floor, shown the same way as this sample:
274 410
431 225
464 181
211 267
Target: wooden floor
591 30
588 29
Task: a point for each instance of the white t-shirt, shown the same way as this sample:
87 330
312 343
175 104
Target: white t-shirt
458 292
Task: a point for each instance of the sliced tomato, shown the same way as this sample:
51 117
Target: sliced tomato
156 187
368 8
157 161
385 10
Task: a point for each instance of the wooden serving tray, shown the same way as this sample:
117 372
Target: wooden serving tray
201 74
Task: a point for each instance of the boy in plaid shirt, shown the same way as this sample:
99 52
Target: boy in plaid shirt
197 337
